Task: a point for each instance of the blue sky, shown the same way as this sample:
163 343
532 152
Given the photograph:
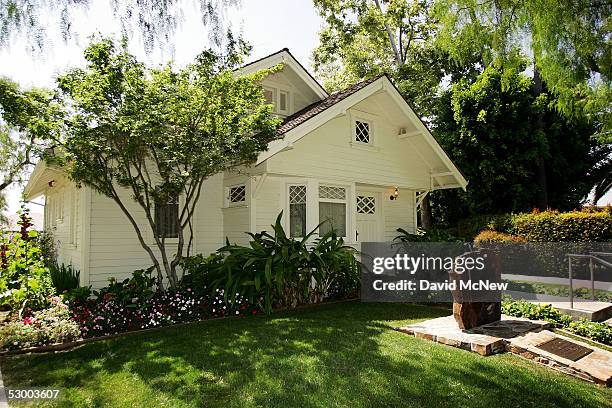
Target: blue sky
268 25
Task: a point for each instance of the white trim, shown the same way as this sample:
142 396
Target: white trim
85 235
286 58
381 85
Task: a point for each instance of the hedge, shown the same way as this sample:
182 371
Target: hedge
547 226
574 226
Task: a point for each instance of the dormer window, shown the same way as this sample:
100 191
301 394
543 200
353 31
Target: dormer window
363 131
279 98
283 102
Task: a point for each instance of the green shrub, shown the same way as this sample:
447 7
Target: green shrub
573 226
279 271
141 286
77 295
25 281
422 235
197 271
600 332
47 326
468 228
490 236
64 277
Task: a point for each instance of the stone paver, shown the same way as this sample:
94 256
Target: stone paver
596 366
484 340
519 336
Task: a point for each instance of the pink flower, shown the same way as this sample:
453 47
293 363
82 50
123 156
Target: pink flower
28 320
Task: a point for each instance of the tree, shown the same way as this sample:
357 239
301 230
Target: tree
367 37
156 21
28 120
567 40
364 38
160 133
486 127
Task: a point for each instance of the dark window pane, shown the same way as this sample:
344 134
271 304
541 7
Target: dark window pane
166 220
335 216
297 220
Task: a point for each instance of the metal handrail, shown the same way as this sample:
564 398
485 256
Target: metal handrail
592 256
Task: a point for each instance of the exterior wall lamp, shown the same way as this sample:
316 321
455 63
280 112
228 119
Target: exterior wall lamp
395 195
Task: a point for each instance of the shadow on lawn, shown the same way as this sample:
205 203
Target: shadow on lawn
343 355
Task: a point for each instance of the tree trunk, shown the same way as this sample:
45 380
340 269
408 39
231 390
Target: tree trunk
426 216
542 191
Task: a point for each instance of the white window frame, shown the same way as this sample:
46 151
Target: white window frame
371 120
274 95
287 102
287 197
231 204
348 208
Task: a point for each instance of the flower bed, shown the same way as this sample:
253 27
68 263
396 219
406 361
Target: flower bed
108 316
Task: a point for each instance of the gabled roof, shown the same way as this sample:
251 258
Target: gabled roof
284 56
311 117
314 109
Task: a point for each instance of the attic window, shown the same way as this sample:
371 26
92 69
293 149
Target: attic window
362 132
237 195
269 95
283 102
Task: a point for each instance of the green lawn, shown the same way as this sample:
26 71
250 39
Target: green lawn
335 355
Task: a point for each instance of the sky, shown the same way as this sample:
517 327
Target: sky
268 25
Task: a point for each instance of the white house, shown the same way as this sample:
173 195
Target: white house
360 157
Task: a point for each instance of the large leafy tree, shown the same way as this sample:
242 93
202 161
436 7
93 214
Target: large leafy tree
486 127
366 37
29 118
160 133
568 42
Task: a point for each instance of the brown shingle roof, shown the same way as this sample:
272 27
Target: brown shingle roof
314 109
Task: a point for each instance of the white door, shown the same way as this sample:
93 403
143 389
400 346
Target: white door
369 217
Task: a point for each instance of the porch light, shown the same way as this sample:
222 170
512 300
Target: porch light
395 195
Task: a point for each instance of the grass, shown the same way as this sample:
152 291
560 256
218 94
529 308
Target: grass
558 290
332 356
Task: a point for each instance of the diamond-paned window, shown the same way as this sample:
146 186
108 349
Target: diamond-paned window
366 205
237 194
362 131
332 193
297 194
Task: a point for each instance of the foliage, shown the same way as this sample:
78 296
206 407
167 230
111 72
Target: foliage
140 287
46 326
25 282
279 271
77 296
429 235
198 271
480 121
64 278
497 237
468 228
155 21
107 315
363 38
600 332
568 42
160 133
45 242
29 118
573 226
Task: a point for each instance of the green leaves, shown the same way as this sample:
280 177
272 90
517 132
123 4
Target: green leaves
279 271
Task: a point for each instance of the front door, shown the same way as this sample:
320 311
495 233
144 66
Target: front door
369 217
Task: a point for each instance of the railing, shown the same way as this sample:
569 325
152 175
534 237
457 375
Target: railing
592 257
